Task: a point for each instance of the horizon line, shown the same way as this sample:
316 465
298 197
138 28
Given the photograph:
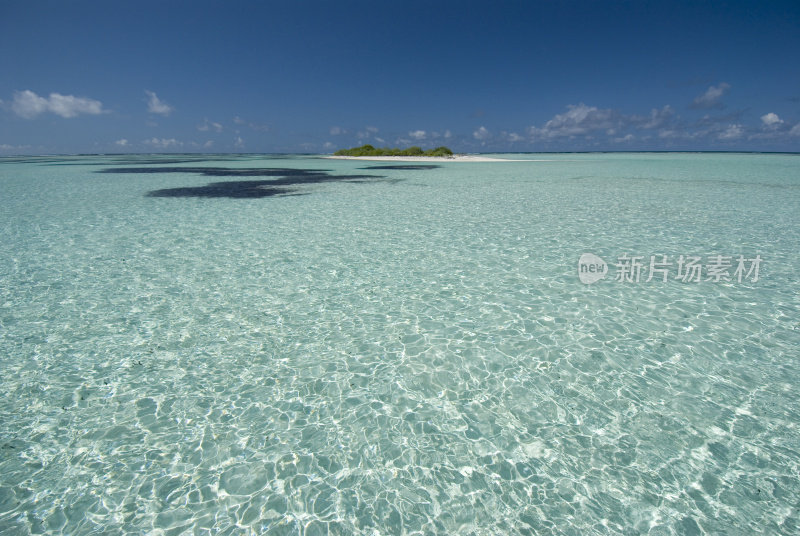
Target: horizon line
644 151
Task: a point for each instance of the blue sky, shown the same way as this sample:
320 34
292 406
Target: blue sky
312 76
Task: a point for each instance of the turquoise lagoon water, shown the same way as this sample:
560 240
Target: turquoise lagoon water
343 347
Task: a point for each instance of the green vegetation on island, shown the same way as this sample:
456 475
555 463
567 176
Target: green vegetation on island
369 150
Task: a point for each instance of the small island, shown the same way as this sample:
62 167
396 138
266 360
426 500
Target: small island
369 150
412 154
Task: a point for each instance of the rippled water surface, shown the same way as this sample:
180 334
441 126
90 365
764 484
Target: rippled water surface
296 345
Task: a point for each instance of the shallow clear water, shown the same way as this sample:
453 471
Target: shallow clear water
365 350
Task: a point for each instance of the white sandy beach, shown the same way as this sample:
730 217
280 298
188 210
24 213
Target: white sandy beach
457 158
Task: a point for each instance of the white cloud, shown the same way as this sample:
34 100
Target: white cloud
447 134
70 106
657 118
208 125
625 138
578 120
122 143
259 127
379 140
28 104
771 120
368 132
513 136
711 98
795 130
481 134
156 105
239 142
336 131
417 135
328 145
208 144
7 147
163 143
732 132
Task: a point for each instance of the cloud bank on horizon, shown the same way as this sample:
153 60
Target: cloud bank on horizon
581 125
311 86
